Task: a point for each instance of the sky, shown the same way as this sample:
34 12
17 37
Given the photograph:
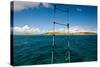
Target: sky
36 17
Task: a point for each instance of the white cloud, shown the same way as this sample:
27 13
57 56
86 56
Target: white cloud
82 29
26 30
46 5
74 29
21 5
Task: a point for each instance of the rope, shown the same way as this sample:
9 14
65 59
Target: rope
53 44
61 24
68 42
66 25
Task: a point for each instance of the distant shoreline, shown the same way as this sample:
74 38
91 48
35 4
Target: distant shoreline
60 33
56 35
76 33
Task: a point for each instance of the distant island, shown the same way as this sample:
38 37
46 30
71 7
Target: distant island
74 33
61 33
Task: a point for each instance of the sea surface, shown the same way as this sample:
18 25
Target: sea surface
36 49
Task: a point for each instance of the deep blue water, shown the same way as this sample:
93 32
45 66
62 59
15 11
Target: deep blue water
36 49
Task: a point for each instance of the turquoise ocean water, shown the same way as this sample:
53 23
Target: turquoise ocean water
36 49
